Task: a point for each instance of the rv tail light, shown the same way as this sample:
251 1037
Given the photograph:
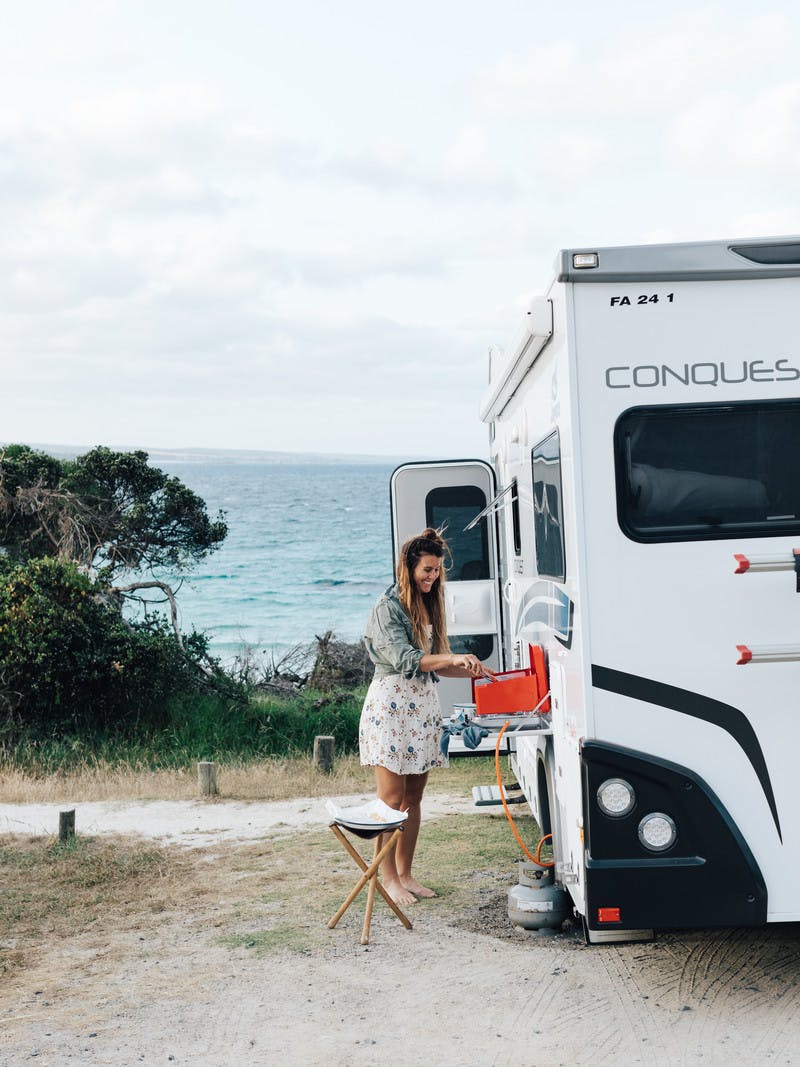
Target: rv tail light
657 831
609 915
616 797
582 260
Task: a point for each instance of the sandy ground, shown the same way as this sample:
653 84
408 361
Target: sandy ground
197 823
477 993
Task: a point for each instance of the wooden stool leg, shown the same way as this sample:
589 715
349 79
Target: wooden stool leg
403 918
368 872
370 895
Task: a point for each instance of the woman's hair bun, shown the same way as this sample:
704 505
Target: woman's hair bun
433 535
429 540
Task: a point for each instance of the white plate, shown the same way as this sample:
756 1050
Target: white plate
368 816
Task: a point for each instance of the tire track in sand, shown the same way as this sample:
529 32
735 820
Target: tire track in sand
706 988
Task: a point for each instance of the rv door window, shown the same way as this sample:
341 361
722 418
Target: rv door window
548 516
705 471
452 507
480 645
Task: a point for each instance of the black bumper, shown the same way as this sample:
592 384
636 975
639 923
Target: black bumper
708 877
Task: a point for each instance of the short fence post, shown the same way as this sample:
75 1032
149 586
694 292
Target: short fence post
66 825
207 779
323 753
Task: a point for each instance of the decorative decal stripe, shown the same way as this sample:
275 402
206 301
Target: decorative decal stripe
725 716
545 606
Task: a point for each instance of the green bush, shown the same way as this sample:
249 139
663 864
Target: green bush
71 665
201 726
289 727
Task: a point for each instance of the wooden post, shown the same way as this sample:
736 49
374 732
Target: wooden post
323 753
66 825
207 779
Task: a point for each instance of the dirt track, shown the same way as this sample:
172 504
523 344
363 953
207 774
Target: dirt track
477 992
432 995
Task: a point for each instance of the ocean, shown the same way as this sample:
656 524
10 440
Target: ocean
308 550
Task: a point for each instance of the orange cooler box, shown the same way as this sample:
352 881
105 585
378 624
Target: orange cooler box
506 693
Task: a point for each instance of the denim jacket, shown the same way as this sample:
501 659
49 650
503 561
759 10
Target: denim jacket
390 642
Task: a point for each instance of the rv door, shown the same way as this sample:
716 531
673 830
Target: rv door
450 495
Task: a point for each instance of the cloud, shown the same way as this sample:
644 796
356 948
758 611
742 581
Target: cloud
761 134
204 251
127 120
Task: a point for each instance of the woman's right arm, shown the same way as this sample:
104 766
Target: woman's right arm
454 665
390 641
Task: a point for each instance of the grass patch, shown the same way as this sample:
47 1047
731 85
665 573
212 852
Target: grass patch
467 859
268 897
275 778
230 729
270 942
52 892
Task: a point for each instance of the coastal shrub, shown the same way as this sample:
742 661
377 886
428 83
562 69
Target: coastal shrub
289 727
196 727
105 510
70 665
212 726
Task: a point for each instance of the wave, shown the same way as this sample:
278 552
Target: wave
360 583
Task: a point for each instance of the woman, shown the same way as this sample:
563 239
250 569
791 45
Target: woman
401 723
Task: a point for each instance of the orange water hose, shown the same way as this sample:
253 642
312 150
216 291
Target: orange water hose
536 858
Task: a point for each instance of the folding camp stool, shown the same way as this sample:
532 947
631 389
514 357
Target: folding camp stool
370 875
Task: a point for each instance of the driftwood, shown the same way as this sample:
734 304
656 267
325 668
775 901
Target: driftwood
331 666
338 665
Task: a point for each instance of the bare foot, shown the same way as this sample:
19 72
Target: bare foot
413 886
399 893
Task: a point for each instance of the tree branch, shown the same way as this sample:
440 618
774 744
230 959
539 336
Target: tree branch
168 593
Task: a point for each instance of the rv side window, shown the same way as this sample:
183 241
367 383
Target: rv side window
453 507
706 471
548 516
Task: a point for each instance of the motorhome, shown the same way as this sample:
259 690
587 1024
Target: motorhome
640 524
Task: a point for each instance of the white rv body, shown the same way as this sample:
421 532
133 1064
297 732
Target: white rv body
644 427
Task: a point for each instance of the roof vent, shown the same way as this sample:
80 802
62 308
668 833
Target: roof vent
773 254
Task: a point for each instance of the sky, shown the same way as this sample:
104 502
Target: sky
300 226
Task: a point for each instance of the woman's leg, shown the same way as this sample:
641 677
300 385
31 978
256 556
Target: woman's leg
406 845
391 789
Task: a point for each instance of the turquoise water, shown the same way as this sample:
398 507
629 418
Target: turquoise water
308 550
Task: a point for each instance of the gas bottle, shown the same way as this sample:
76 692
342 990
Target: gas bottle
537 903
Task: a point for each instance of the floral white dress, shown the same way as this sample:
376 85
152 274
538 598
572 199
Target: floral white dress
401 721
401 725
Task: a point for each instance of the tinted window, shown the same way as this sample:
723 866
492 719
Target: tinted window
453 507
480 645
696 472
548 515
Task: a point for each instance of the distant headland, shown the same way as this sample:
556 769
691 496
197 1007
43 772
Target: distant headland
225 455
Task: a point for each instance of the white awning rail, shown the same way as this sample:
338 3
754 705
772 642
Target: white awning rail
536 333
